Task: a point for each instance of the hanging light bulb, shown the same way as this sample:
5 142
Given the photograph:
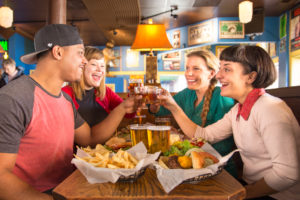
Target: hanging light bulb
5 56
245 11
6 17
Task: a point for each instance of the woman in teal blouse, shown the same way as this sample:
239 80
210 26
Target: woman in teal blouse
201 101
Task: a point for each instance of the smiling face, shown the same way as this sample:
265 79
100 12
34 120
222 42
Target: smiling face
235 83
72 62
94 72
197 74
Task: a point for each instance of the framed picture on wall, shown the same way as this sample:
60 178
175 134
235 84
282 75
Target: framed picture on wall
231 29
171 56
172 82
282 47
282 28
295 28
207 48
176 39
132 58
264 45
171 65
219 50
272 49
201 33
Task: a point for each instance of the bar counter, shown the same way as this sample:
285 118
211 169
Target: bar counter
222 186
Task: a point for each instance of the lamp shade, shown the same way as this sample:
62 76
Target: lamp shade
245 11
6 17
151 37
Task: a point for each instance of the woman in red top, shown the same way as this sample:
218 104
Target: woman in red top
93 99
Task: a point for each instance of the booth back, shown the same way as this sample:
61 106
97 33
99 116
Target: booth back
291 96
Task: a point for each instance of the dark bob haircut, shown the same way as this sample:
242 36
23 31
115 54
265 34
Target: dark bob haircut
252 58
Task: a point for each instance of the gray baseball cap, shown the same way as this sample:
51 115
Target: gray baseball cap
51 35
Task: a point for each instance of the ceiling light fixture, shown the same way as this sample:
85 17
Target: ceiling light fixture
151 37
6 17
245 11
5 56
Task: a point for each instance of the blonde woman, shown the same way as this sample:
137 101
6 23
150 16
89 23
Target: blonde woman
94 100
201 100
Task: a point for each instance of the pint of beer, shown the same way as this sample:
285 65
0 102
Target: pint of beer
158 138
139 119
163 121
133 83
141 90
152 92
138 133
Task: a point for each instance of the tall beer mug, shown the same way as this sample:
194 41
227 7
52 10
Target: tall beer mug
138 133
158 138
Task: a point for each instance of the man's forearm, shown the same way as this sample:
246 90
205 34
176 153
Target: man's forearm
13 188
105 129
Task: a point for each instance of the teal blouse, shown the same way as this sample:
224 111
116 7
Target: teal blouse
219 105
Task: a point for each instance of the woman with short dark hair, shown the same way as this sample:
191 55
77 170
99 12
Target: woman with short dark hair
263 126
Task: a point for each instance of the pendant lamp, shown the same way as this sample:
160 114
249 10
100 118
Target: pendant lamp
245 11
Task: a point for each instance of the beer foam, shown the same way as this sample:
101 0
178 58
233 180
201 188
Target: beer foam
159 128
138 126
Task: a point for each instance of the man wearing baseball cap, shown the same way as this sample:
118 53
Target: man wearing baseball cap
39 123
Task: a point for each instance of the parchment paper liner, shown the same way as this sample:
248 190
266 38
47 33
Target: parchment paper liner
102 175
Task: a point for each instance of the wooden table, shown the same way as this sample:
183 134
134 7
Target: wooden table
222 186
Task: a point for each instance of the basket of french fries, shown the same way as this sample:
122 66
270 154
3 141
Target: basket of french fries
99 165
188 164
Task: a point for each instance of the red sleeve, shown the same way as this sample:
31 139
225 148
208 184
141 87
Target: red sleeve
112 100
69 90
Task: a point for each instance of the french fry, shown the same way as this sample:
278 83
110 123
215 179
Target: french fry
100 157
111 166
133 159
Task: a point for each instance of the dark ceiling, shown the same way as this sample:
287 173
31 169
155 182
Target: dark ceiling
101 20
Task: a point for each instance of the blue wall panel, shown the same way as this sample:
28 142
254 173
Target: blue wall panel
18 46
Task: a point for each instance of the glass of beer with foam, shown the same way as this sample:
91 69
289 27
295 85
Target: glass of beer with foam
158 138
134 83
138 133
152 93
163 121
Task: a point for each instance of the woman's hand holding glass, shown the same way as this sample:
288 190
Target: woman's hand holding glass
132 104
167 101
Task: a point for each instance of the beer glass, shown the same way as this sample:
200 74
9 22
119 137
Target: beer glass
139 119
158 138
141 90
152 92
138 133
163 121
133 83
